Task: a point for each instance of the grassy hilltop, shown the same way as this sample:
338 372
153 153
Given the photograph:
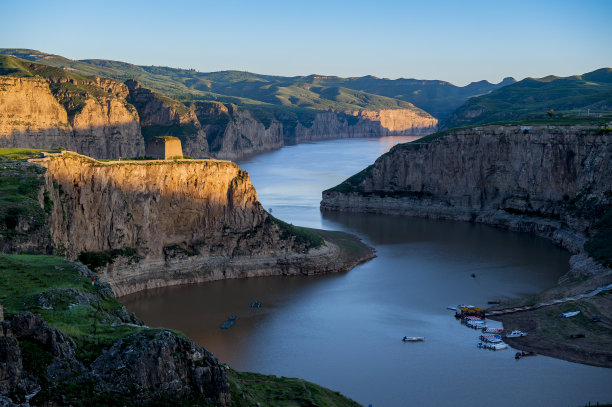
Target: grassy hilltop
558 100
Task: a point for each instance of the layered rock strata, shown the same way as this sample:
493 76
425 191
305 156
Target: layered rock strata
103 126
550 181
365 123
163 223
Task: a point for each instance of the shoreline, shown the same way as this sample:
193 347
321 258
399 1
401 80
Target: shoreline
341 252
549 335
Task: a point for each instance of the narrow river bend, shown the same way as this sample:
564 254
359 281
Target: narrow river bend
343 331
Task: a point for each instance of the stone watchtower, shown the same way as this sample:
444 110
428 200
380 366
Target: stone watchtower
164 148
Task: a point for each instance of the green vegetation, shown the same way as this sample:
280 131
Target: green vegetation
95 260
249 389
20 183
599 246
56 289
351 184
302 235
23 153
571 100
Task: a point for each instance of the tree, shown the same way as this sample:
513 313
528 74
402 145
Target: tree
550 113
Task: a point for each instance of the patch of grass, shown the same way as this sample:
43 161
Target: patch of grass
599 246
351 184
249 389
302 235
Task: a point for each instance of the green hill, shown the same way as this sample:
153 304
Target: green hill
438 98
576 98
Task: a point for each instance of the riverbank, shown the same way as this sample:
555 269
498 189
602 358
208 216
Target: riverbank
339 252
551 335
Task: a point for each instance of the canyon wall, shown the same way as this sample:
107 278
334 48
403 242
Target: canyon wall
154 223
162 116
103 126
103 118
554 181
365 123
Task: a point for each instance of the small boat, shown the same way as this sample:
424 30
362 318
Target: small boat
452 308
413 339
228 324
522 354
256 304
490 338
493 302
516 334
497 346
492 330
576 336
569 314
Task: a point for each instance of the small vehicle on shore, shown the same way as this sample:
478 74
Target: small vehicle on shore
516 334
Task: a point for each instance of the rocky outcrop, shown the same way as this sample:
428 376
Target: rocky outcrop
90 116
147 224
554 181
162 116
233 132
366 123
148 366
152 364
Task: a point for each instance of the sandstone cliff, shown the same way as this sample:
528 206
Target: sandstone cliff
147 224
365 123
162 116
233 132
87 115
551 181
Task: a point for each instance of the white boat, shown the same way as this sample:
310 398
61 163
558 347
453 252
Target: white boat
490 338
569 314
497 346
452 308
492 330
516 334
413 339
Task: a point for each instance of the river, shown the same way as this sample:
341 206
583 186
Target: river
344 331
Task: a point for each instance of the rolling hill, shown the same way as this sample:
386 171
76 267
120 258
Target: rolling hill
437 98
567 99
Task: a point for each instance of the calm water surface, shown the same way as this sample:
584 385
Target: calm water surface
343 331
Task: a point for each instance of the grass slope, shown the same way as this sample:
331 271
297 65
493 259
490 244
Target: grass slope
532 99
248 89
61 292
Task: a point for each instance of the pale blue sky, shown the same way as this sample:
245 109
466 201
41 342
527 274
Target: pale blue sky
458 41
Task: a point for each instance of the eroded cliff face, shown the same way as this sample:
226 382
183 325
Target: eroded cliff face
162 116
102 126
365 123
233 132
163 223
551 181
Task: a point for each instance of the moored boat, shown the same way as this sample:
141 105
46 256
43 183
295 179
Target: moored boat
492 330
569 314
516 334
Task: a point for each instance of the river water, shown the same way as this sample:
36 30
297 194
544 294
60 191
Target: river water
344 331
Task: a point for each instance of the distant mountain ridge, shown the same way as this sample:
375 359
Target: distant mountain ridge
437 98
552 97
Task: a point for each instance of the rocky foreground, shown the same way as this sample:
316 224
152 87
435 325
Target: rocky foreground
67 342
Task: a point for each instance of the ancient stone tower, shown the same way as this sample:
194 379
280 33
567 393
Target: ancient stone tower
164 147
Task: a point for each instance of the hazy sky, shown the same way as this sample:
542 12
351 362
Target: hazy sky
459 41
